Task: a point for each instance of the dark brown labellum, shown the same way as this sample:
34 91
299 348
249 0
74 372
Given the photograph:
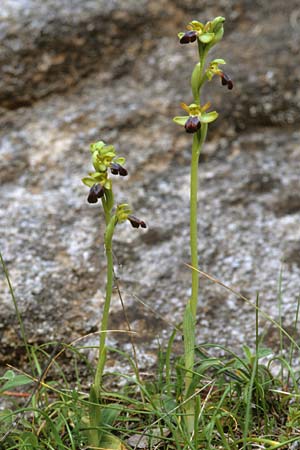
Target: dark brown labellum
189 36
117 169
192 125
96 191
92 197
122 171
136 223
226 80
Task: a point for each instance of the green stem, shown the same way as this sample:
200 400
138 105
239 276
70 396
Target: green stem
191 310
104 322
196 149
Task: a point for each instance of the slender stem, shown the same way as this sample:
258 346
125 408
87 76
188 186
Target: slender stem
191 309
104 322
190 314
193 223
196 149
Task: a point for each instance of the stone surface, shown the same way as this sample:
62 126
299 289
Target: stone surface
114 71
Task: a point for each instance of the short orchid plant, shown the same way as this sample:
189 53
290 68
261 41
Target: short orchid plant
106 162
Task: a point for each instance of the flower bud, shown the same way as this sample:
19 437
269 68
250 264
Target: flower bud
196 80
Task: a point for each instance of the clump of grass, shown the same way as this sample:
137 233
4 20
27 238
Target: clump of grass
209 397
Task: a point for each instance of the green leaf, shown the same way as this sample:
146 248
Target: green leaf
9 375
206 38
247 352
180 120
6 416
208 117
189 333
263 352
29 439
18 380
111 442
110 413
94 414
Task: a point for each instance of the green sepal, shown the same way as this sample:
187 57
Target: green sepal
109 154
108 149
217 23
102 167
95 160
97 176
218 35
180 120
120 160
218 61
180 34
88 181
206 38
208 117
96 146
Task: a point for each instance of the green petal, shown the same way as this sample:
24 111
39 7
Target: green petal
88 181
206 38
208 117
180 120
180 34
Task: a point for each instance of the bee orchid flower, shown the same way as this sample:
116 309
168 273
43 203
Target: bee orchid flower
196 115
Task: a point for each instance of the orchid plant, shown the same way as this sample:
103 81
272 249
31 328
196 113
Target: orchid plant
105 162
196 122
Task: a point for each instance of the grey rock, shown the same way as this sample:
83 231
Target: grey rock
249 206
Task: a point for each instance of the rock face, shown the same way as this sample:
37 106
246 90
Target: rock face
75 72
